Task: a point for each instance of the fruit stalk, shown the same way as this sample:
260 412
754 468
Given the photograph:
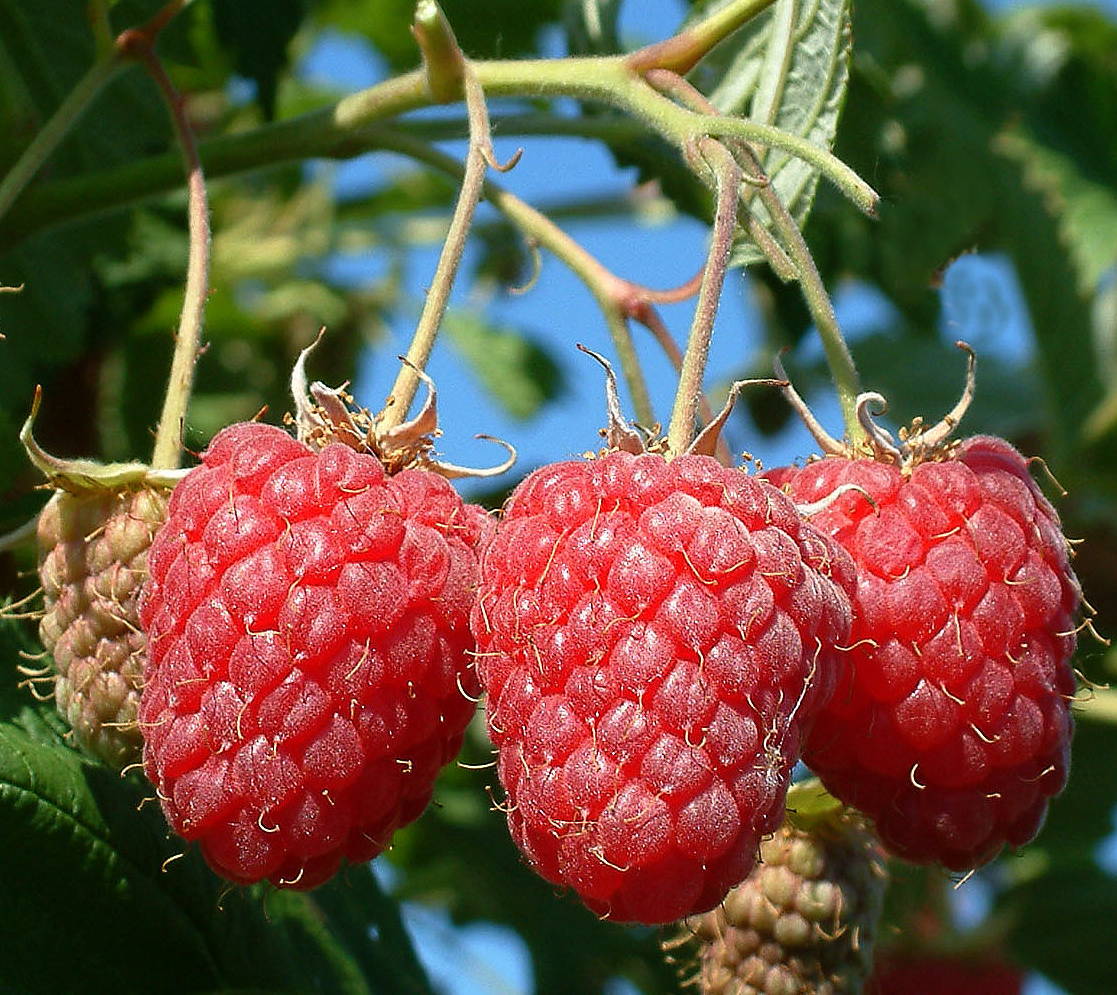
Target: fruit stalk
728 175
138 45
838 357
445 65
785 249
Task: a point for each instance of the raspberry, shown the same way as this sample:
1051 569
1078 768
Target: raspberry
909 974
308 675
802 922
652 639
952 729
92 560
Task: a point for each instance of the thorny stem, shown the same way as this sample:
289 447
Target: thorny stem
343 130
728 174
138 45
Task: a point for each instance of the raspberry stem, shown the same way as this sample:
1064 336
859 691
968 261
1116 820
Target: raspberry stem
728 178
785 249
138 44
448 74
618 298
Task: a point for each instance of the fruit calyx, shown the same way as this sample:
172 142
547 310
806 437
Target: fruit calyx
86 477
621 435
329 414
917 442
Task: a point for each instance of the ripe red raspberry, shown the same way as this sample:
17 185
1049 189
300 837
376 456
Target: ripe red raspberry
952 729
307 621
653 638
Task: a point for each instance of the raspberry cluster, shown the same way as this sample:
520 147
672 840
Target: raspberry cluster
660 641
307 672
654 639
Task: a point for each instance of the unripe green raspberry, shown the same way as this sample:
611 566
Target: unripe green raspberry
802 923
92 563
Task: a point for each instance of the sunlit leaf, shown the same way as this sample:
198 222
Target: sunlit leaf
1086 210
787 67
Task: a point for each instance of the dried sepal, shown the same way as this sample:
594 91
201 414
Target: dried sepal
325 415
916 443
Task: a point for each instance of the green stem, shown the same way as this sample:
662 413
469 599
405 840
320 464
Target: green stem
685 50
168 436
609 290
655 325
843 371
728 174
59 125
338 132
790 259
447 69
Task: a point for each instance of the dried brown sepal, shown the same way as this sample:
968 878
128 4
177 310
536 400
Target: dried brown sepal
325 415
917 443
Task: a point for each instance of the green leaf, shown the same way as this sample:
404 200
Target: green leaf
1086 211
259 39
787 67
513 366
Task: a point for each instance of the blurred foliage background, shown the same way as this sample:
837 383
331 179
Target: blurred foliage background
983 132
